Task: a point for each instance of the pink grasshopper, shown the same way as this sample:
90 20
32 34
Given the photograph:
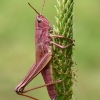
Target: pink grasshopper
43 58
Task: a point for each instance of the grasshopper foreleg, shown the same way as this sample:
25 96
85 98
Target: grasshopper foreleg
61 46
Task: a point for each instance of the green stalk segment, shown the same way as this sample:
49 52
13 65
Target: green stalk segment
62 58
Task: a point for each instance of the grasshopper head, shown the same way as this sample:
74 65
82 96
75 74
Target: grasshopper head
42 22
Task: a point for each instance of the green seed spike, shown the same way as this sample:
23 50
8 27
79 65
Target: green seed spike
62 58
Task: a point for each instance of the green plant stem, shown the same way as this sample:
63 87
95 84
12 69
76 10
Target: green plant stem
62 58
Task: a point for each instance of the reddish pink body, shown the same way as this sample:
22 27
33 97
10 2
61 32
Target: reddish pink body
43 58
42 47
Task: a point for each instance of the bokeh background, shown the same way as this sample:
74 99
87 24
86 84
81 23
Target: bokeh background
17 46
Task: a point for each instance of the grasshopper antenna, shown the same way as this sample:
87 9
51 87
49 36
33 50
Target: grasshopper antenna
34 9
42 6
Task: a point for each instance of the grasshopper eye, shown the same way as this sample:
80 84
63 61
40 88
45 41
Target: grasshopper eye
39 20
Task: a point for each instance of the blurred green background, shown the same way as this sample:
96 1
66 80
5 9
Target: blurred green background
17 46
